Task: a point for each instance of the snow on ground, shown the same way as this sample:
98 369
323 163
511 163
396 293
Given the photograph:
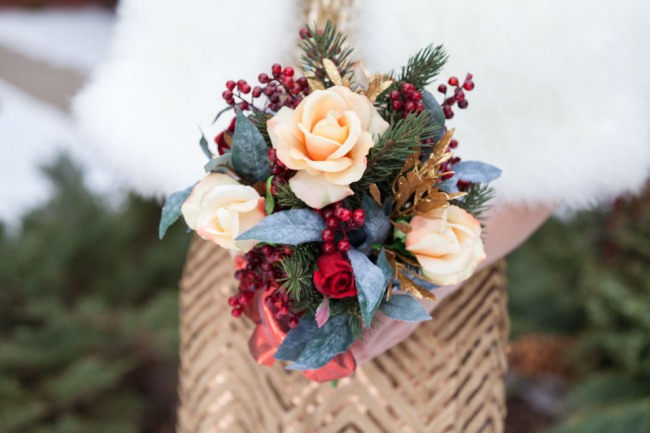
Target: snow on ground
70 38
32 133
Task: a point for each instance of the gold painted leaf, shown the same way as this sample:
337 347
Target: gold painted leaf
315 84
332 72
402 226
374 193
377 86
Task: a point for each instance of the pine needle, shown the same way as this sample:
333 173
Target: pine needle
330 44
424 66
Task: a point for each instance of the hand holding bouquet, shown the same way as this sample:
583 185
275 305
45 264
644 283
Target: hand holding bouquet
341 198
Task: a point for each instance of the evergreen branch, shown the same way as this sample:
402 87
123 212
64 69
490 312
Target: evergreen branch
477 198
286 199
298 284
424 66
259 119
387 157
327 43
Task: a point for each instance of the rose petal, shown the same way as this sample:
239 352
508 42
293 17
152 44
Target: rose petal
192 206
316 191
323 312
318 104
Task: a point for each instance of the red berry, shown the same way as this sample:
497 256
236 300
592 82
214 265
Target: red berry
328 213
394 94
343 246
416 96
463 104
407 87
397 104
271 155
288 71
442 88
227 95
453 143
459 95
343 214
230 85
304 83
236 312
332 222
448 112
304 33
257 92
245 88
328 235
263 78
276 69
453 81
287 81
240 83
450 101
468 85
328 248
410 106
243 106
359 216
296 88
267 250
233 301
293 323
419 107
469 77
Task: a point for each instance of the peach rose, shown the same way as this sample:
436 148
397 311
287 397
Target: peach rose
326 139
447 244
219 209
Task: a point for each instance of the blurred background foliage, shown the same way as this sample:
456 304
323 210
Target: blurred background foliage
89 317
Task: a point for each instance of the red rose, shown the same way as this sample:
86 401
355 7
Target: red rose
334 276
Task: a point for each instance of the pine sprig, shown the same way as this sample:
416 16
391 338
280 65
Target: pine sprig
387 157
259 119
327 43
286 199
477 198
424 66
299 282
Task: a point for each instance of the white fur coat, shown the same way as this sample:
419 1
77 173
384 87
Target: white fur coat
561 104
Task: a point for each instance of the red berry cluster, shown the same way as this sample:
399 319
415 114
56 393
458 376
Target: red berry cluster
260 273
406 100
339 221
459 95
279 88
224 138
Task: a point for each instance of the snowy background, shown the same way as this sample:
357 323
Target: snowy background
33 131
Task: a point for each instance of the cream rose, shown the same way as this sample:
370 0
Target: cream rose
447 244
326 139
219 209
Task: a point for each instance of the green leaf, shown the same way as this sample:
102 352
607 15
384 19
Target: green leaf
297 339
376 225
436 115
220 164
405 308
291 227
334 338
476 172
371 284
249 151
172 210
204 145
270 200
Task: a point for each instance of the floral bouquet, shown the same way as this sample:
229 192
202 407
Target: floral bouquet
340 197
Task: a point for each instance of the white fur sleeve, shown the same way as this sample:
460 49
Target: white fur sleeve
168 66
562 97
561 101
